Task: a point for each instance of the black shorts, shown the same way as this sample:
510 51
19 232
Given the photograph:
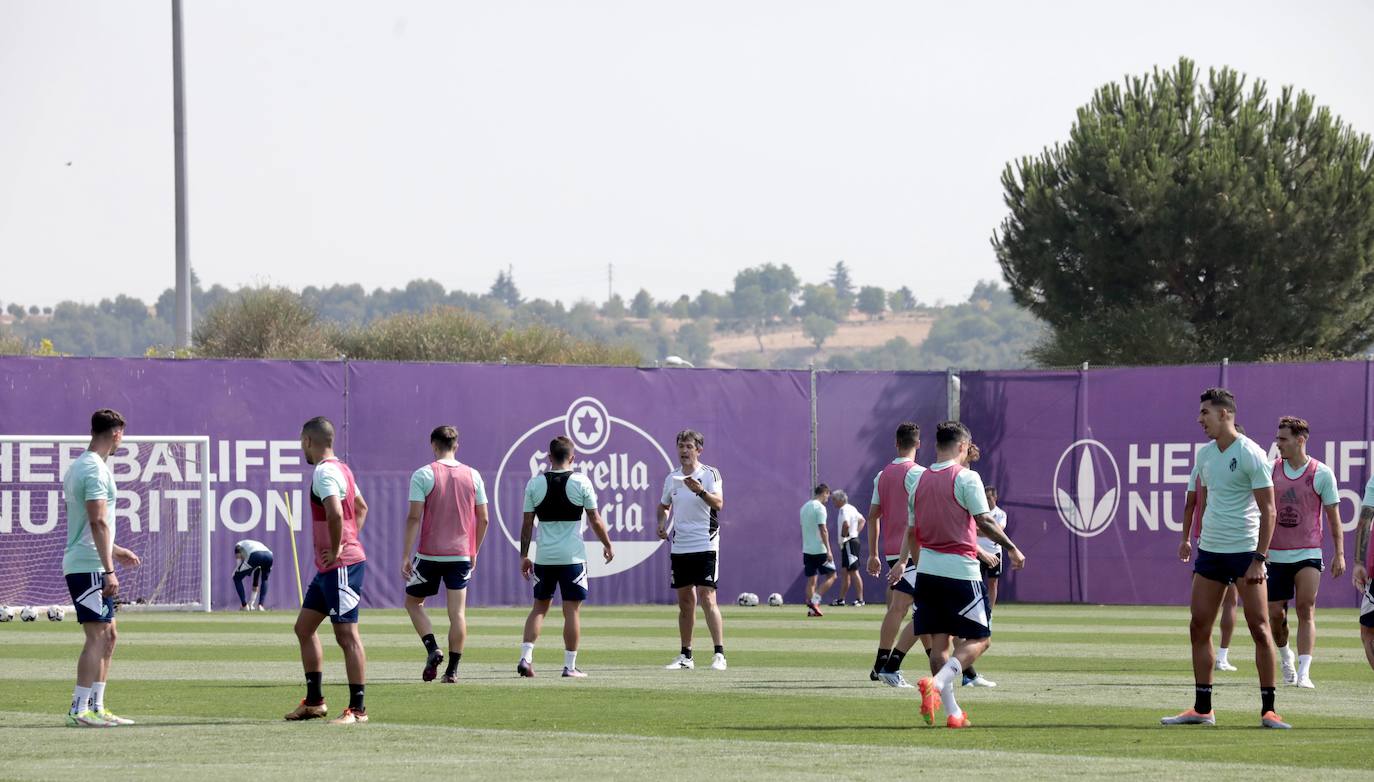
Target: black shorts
1226 568
91 606
951 606
1283 578
849 554
337 593
569 580
427 574
816 564
992 572
1367 606
697 568
907 585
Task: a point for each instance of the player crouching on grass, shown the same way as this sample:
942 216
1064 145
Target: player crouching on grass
816 556
252 560
558 497
448 512
88 566
337 513
949 509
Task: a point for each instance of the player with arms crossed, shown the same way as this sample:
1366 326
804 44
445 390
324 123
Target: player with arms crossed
816 556
1364 563
1304 490
888 519
851 523
252 560
448 512
949 509
88 567
337 514
1233 549
693 496
558 497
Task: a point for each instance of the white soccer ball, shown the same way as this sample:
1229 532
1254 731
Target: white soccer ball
775 600
56 613
753 599
28 614
6 614
743 599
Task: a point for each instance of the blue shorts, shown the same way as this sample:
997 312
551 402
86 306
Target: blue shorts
85 590
951 606
815 564
1226 568
427 575
337 593
907 585
570 580
1283 578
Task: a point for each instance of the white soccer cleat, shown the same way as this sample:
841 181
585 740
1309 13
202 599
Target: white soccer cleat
1306 683
718 662
683 662
894 679
1190 717
1223 665
1290 674
979 681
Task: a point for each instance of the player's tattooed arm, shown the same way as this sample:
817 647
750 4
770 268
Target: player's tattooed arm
990 530
526 534
1359 575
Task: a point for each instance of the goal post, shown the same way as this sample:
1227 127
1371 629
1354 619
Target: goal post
162 513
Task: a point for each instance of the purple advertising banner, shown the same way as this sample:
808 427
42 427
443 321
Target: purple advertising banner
1093 466
857 414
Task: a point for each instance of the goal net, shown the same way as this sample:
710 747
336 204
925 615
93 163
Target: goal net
160 514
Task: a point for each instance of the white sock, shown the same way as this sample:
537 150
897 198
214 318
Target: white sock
1221 654
569 659
1304 665
98 696
945 679
1286 654
80 697
527 652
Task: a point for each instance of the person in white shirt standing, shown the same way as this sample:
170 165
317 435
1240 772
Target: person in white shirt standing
693 496
851 523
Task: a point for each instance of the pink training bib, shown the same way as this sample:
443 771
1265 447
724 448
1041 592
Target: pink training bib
942 524
1299 507
892 498
449 528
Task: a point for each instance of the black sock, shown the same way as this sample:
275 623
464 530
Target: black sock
687 652
453 658
355 697
720 649
928 651
313 693
881 660
1266 700
428 641
894 661
1202 698
969 673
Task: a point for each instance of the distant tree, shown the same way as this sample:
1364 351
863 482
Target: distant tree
47 310
872 301
17 310
818 329
614 307
642 306
262 323
711 305
694 341
504 290
1181 212
33 309
821 300
843 284
11 344
768 278
901 300
682 308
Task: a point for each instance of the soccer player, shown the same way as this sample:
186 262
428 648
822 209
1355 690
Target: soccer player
558 497
948 510
1234 547
253 559
337 515
1194 503
694 494
1304 490
888 517
851 523
816 556
991 570
448 513
1364 562
88 567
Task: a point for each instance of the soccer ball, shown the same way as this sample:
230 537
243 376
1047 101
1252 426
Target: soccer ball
56 613
747 599
28 614
6 614
775 600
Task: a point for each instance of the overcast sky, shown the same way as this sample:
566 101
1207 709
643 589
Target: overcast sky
376 142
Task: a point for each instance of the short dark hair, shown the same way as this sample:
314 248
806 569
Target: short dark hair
1296 426
1220 397
908 434
821 488
989 489
444 436
691 435
105 420
560 449
319 428
950 433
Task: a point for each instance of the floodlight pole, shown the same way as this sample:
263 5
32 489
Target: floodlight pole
183 282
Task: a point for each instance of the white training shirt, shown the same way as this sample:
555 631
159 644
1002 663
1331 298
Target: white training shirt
694 523
987 544
852 515
1230 525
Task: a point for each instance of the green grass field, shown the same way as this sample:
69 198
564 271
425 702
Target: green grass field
1081 692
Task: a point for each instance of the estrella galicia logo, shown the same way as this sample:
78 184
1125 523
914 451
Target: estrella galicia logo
624 464
1087 488
1233 464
